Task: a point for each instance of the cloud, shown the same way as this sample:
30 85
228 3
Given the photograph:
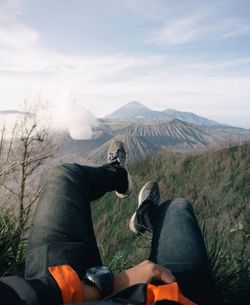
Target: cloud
238 29
148 9
199 27
184 22
103 82
19 44
178 32
68 114
17 36
10 9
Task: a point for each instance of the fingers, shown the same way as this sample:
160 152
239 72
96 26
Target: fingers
162 274
165 275
145 272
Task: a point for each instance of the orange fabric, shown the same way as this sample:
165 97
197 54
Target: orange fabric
170 292
68 282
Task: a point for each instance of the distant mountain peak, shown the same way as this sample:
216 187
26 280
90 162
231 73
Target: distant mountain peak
134 104
137 111
132 110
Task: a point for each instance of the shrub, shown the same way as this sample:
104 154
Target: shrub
12 245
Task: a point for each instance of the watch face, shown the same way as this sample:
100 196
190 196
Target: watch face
98 271
100 277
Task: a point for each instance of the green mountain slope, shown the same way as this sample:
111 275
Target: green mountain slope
218 184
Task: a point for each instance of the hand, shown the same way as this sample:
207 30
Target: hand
145 272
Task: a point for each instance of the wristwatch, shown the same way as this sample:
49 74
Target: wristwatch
100 277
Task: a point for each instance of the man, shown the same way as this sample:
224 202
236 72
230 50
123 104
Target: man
63 263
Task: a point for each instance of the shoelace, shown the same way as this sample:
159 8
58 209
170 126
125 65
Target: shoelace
153 194
114 157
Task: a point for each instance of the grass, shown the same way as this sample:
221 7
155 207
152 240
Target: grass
217 183
12 246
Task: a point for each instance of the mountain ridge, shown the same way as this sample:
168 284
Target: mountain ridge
150 138
136 110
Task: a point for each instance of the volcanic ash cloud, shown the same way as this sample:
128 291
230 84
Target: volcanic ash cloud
69 114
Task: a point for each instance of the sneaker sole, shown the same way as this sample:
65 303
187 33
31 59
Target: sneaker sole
132 225
132 219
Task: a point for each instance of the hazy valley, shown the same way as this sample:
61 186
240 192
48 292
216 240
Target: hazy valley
147 132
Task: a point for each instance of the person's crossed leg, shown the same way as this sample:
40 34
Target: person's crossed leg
177 242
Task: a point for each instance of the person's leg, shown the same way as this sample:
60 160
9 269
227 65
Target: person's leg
64 205
62 230
178 244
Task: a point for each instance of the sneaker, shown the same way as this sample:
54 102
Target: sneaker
148 196
117 155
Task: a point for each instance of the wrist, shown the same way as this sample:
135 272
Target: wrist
121 281
101 278
90 293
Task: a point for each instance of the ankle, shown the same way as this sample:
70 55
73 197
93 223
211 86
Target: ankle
145 213
122 178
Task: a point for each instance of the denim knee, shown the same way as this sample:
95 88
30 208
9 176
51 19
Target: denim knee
60 171
180 204
175 206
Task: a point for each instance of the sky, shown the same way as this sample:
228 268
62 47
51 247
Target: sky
185 55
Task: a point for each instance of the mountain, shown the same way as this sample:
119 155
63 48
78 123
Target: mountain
137 148
137 111
149 138
170 134
141 139
189 117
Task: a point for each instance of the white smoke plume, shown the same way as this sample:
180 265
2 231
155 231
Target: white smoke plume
69 114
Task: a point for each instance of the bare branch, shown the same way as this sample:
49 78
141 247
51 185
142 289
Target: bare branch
24 154
29 206
9 189
10 168
16 164
11 141
1 141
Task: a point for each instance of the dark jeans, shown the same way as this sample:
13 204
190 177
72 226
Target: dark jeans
178 244
62 230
